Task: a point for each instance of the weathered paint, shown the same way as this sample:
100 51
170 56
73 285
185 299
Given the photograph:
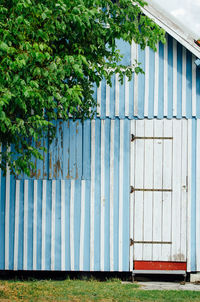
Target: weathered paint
68 156
74 224
169 88
76 212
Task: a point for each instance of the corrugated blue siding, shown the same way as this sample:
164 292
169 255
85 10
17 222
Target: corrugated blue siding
42 226
73 214
82 224
68 156
169 88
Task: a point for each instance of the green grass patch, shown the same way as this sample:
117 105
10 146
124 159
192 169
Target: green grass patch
77 290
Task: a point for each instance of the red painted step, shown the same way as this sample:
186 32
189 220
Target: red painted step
160 265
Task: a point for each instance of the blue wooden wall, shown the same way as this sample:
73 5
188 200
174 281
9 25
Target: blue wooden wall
53 221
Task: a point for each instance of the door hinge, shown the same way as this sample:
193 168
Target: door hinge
132 189
134 137
131 242
152 242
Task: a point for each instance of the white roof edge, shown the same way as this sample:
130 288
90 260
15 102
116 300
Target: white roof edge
172 28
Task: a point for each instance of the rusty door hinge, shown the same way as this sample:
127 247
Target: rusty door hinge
152 242
133 137
131 242
132 189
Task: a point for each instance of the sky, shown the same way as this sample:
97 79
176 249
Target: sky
187 12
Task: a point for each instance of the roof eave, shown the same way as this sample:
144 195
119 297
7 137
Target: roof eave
172 28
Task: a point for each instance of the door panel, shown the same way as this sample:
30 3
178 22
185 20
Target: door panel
160 189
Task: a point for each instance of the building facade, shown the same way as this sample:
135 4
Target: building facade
120 191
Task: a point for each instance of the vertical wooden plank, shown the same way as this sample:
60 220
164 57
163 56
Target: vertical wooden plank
189 195
7 216
53 208
72 149
25 248
156 82
53 155
107 100
132 183
176 193
139 183
82 226
72 224
127 84
193 86
79 150
107 195
99 100
134 56
184 82
112 138
146 93
121 175
86 149
198 199
59 143
116 95
35 226
167 196
63 225
66 147
166 77
174 77
102 194
157 184
92 195
16 239
148 184
44 186
183 205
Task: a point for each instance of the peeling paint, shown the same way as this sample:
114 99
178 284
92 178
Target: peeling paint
56 168
68 173
76 172
178 257
64 155
50 165
38 174
77 127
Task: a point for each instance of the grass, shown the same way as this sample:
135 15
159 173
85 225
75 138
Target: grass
76 290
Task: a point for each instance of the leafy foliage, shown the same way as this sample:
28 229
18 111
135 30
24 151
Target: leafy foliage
51 54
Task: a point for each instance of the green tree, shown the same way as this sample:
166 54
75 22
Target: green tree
51 55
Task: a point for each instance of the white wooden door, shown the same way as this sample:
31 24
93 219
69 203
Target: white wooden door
159 189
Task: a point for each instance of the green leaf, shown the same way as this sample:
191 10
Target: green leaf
51 55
